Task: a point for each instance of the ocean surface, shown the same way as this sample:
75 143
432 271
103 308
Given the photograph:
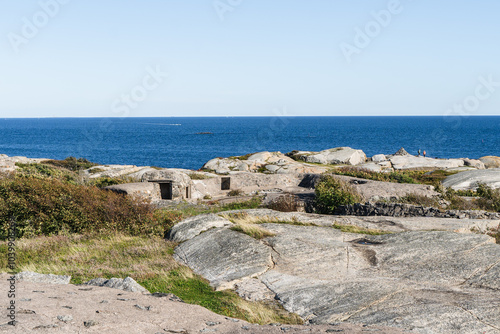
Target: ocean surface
190 142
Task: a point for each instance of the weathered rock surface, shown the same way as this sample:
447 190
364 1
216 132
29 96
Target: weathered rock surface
333 156
471 179
379 158
490 161
29 276
478 164
425 282
381 223
126 284
403 162
49 309
214 253
191 227
267 162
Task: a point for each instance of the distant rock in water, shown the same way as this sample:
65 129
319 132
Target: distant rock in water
402 151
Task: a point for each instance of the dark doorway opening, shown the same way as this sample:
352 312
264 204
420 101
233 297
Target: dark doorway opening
166 190
225 183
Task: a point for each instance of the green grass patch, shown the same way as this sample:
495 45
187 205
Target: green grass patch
358 230
148 260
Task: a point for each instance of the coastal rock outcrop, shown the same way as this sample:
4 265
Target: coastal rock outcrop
490 161
333 156
469 180
410 162
422 281
264 162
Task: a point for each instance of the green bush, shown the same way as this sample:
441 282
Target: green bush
332 192
72 163
489 198
51 206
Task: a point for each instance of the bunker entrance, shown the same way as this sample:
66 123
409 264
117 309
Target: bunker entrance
166 190
225 183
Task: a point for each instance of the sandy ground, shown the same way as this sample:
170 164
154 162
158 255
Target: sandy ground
107 310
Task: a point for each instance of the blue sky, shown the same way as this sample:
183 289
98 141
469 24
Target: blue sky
88 58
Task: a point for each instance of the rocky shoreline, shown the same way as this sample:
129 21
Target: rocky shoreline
378 265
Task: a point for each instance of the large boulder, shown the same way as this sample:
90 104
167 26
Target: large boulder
490 161
334 156
478 164
379 158
470 180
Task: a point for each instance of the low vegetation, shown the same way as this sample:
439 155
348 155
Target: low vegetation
331 192
235 192
357 229
198 176
285 203
50 206
148 260
72 163
422 177
249 225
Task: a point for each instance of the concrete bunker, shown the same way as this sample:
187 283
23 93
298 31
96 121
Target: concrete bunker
166 190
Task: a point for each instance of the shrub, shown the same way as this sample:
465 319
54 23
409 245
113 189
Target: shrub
235 192
422 200
72 163
284 203
489 198
331 192
50 206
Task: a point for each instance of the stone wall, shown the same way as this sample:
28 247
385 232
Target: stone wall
408 210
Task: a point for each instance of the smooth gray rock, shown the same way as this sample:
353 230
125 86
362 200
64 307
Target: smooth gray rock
478 164
379 158
254 290
402 162
425 281
490 161
30 276
469 180
191 227
333 156
224 256
127 284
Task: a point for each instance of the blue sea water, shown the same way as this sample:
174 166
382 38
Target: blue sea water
177 142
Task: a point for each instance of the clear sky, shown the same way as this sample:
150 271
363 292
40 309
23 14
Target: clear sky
89 58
